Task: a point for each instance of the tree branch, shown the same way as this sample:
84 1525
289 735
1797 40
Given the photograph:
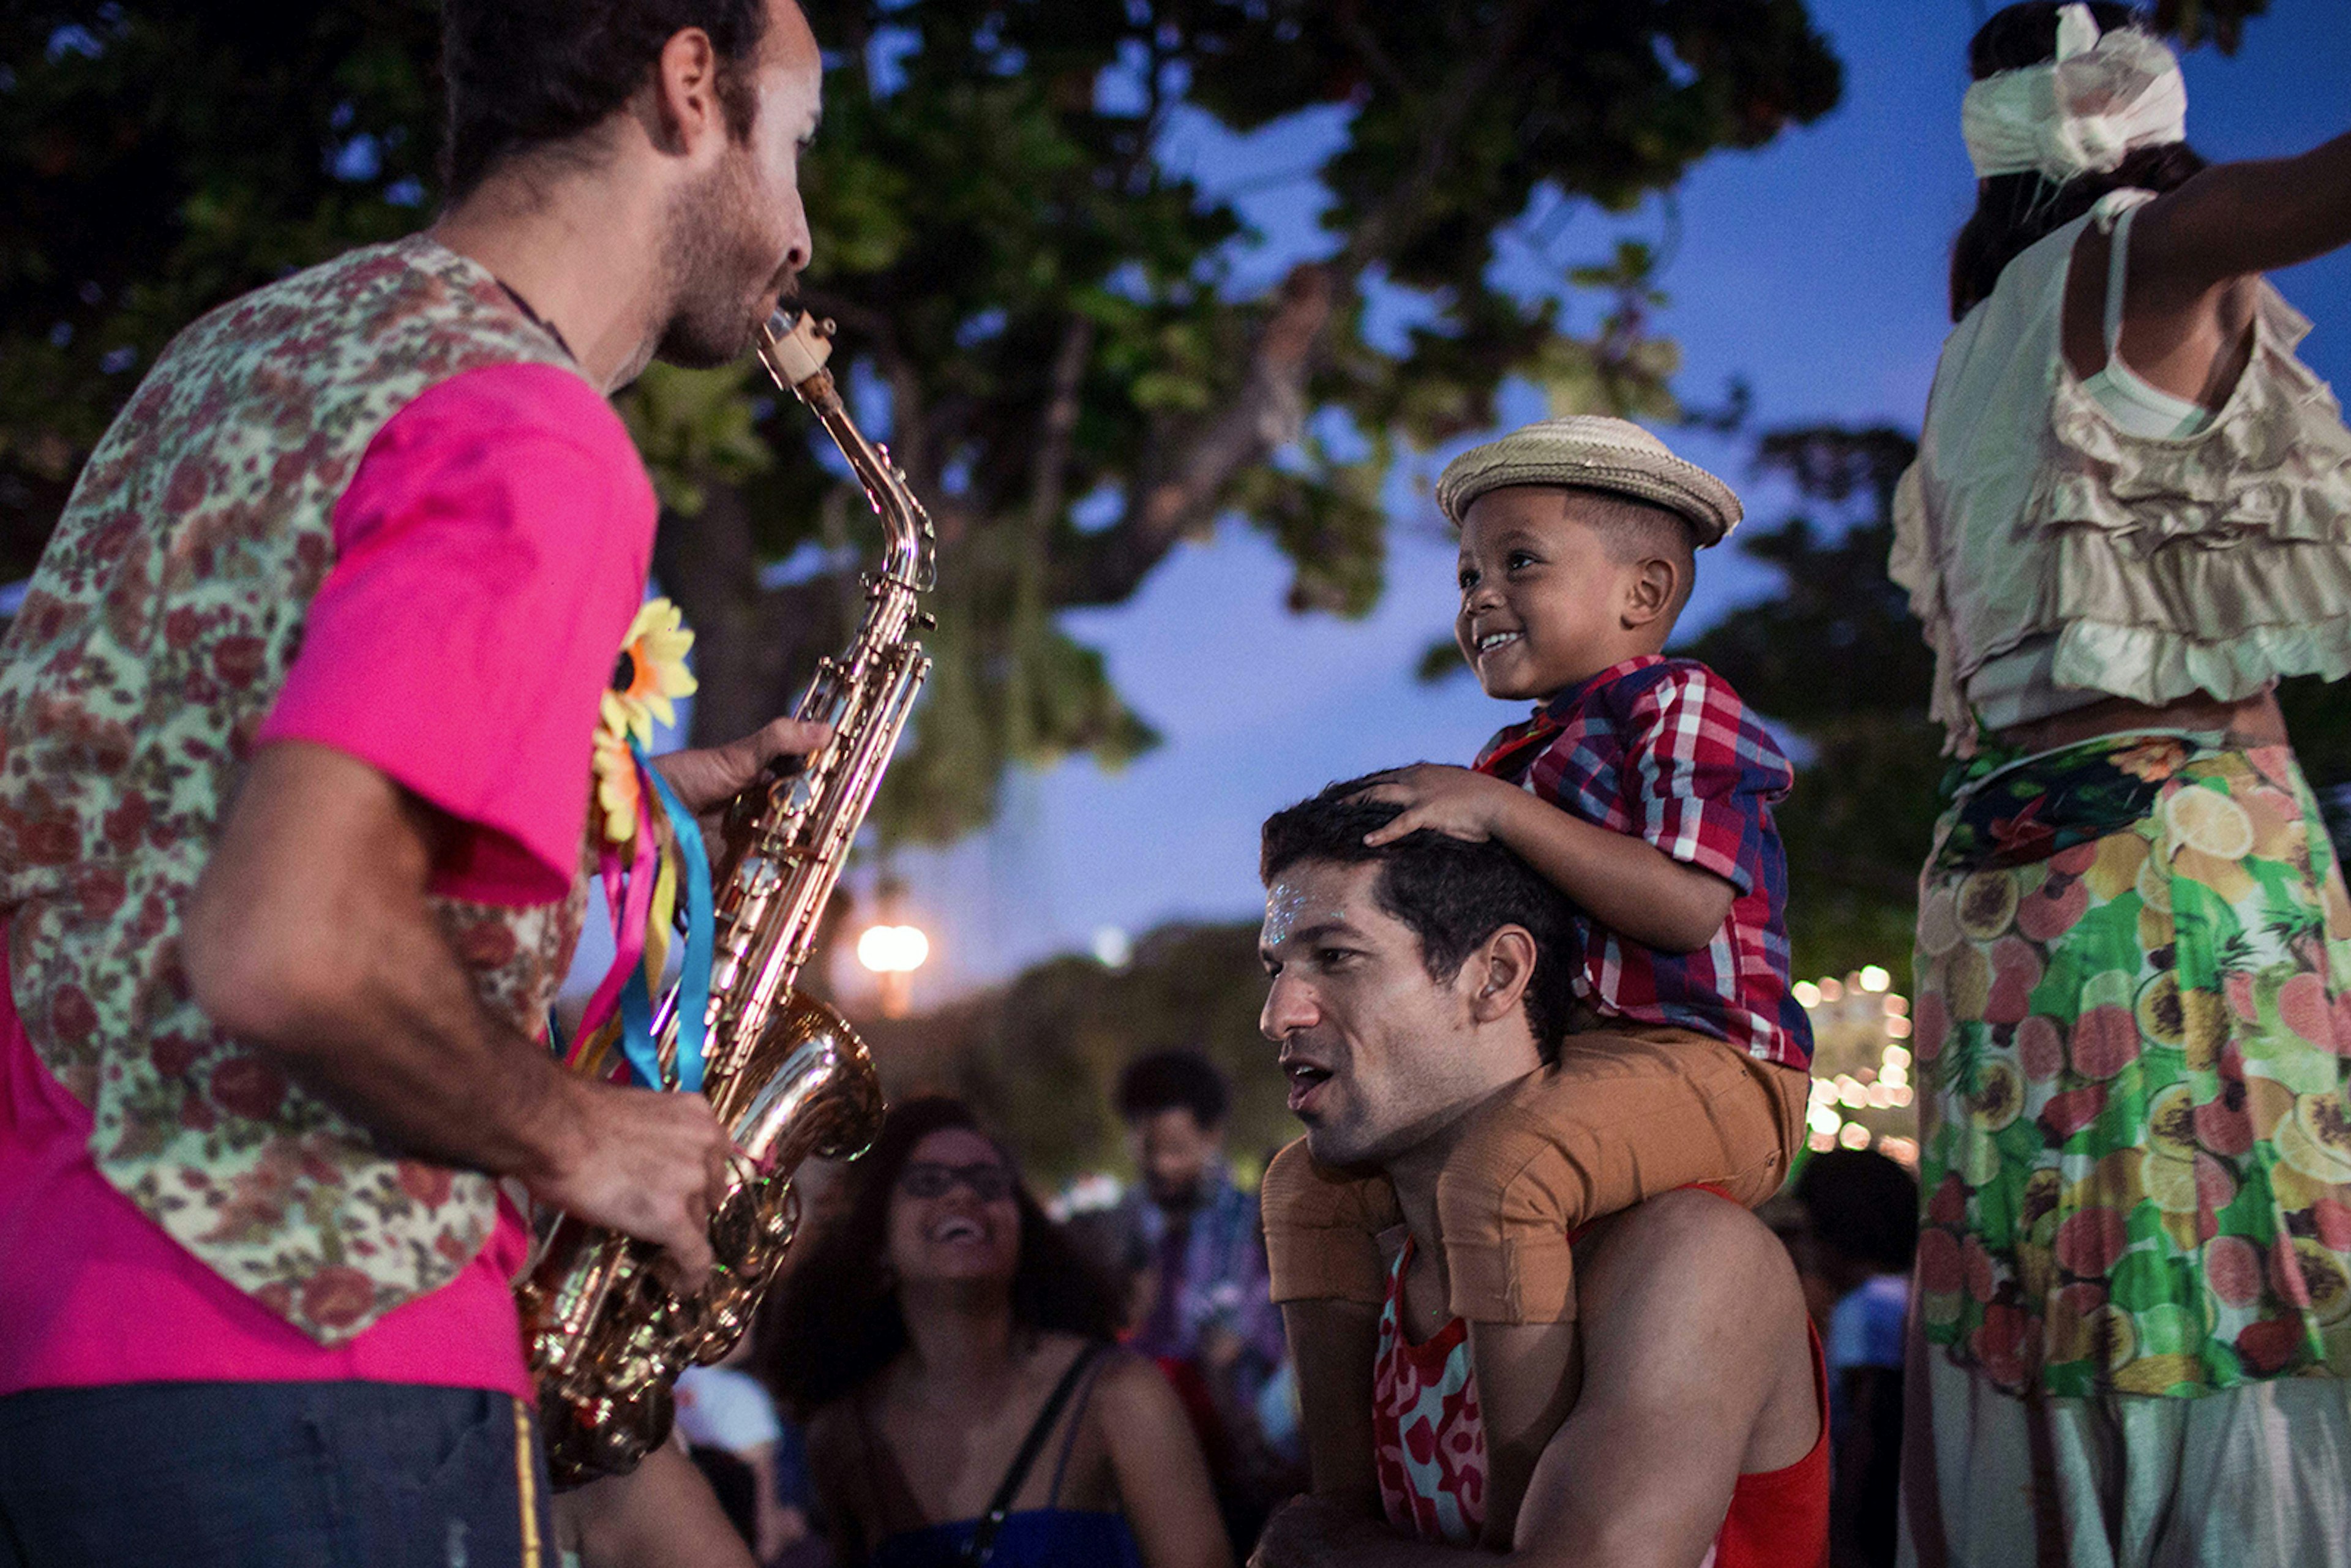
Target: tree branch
1059 421
1383 230
1351 24
1270 406
707 564
915 456
921 458
1265 413
880 336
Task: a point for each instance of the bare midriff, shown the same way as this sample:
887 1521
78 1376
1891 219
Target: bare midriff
2251 721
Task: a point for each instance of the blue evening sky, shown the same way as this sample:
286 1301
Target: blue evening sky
1813 269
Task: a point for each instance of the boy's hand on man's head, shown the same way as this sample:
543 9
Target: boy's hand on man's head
1619 879
1458 802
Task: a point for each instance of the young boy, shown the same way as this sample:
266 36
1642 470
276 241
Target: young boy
1642 788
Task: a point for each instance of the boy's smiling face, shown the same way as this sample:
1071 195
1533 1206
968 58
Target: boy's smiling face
1546 601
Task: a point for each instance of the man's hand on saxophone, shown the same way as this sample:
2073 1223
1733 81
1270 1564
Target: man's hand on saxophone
642 1162
708 777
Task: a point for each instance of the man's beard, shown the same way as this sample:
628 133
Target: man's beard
719 263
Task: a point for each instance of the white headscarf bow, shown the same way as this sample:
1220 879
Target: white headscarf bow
2102 97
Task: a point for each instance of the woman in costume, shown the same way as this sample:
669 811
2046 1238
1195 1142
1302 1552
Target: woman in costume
2130 517
951 1352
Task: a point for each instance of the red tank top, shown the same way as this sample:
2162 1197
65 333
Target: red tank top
1429 1443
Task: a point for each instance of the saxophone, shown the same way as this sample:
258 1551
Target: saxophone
605 1335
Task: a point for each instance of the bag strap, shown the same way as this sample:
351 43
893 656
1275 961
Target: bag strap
981 1546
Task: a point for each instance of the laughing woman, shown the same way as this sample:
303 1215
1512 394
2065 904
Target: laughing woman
2130 516
952 1353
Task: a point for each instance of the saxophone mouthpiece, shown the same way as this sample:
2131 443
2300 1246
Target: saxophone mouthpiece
795 345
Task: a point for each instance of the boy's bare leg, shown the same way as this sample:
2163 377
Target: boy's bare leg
1321 1234
1332 1346
1528 1378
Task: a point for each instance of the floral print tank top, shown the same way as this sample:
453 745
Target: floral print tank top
166 611
1428 1436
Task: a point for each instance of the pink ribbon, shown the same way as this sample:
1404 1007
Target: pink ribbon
630 903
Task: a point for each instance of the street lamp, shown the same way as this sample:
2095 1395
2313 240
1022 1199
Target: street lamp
892 953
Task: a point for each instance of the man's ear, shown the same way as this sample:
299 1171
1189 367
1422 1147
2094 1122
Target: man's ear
684 107
1502 968
1649 590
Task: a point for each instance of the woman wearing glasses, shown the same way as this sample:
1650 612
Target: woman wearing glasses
951 1352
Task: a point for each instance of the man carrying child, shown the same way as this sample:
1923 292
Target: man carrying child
1641 790
1412 985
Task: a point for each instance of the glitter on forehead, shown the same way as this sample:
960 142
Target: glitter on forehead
1308 896
1285 902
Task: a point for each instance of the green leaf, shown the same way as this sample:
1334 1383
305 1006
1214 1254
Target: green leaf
692 428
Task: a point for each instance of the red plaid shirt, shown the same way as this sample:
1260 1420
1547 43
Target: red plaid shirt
1664 750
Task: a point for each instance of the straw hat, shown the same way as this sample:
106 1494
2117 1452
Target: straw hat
1591 452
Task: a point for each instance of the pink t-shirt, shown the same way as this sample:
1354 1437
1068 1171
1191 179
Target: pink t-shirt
490 553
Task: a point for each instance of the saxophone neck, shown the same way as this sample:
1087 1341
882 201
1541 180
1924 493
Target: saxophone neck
795 347
909 558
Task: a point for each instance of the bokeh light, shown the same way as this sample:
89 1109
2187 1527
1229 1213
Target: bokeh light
893 949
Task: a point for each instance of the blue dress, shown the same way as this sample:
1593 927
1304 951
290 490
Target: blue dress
1047 1537
1033 1538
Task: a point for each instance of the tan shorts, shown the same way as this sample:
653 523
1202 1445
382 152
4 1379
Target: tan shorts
1623 1116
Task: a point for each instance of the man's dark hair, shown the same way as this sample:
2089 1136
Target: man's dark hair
1863 1205
2014 210
1172 1080
1452 893
529 74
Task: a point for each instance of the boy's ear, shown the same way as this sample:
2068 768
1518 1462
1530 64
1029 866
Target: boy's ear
1649 590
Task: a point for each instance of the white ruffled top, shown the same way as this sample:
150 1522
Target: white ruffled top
2113 563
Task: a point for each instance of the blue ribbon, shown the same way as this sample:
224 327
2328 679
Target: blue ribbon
637 1032
694 979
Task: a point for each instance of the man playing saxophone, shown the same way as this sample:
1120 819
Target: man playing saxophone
297 720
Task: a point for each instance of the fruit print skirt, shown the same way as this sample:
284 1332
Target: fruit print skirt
2132 1031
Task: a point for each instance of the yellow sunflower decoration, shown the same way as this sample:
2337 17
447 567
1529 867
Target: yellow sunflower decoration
650 671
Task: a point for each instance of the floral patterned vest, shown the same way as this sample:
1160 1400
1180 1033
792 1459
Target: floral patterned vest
152 645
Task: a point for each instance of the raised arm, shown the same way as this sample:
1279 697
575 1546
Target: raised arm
1331 1344
2235 219
1624 883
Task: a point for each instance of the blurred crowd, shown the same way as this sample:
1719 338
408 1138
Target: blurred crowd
866 1420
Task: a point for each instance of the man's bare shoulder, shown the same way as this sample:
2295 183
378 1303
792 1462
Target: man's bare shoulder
1705 1255
1697 1370
1688 1303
